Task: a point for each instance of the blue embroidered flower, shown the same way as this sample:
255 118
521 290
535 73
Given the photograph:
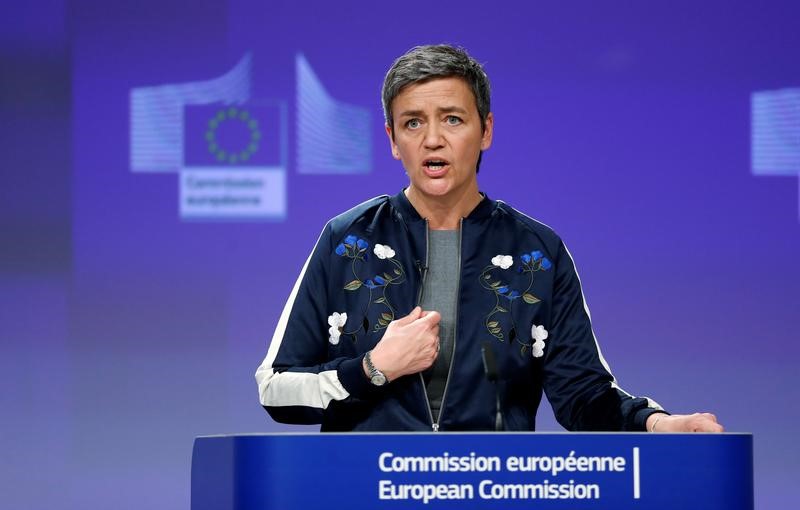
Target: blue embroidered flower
503 289
534 261
513 295
352 248
370 284
379 280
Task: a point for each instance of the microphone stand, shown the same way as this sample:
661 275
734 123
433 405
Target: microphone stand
490 369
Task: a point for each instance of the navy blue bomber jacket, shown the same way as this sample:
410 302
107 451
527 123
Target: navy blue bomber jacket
518 289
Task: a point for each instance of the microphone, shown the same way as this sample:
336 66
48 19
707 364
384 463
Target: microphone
490 369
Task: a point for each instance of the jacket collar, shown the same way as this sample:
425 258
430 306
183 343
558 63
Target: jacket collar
400 201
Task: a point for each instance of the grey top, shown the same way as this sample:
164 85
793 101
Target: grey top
441 286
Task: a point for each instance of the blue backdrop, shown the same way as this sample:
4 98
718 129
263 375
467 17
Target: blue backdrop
168 165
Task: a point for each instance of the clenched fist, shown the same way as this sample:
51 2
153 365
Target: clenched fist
410 345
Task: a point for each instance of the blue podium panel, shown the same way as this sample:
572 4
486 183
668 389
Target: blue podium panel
473 471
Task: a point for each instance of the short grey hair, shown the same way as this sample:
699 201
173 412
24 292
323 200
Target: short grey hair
424 63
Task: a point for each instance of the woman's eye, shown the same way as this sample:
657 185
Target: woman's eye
453 120
412 124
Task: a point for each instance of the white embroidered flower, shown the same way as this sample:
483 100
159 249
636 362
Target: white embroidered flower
537 349
538 333
383 251
336 322
337 319
334 334
503 261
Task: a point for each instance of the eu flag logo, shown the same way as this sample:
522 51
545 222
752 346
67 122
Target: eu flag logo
233 136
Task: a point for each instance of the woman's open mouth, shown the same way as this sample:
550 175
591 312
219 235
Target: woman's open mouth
435 167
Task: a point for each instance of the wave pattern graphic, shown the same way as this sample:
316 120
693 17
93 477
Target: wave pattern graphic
332 137
156 122
776 132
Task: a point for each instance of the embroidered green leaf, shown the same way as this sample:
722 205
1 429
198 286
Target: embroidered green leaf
495 330
492 324
487 276
382 322
355 284
380 300
387 277
495 285
523 350
387 317
500 309
530 298
397 272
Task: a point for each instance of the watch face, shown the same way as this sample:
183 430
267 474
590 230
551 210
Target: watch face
378 379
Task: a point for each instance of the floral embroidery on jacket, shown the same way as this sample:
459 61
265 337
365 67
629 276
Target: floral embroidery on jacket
356 249
539 334
336 322
530 263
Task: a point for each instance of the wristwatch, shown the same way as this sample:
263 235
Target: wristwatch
376 377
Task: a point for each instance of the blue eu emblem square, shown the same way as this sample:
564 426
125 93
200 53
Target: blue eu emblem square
234 162
244 135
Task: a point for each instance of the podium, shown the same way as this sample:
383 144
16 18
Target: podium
473 471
